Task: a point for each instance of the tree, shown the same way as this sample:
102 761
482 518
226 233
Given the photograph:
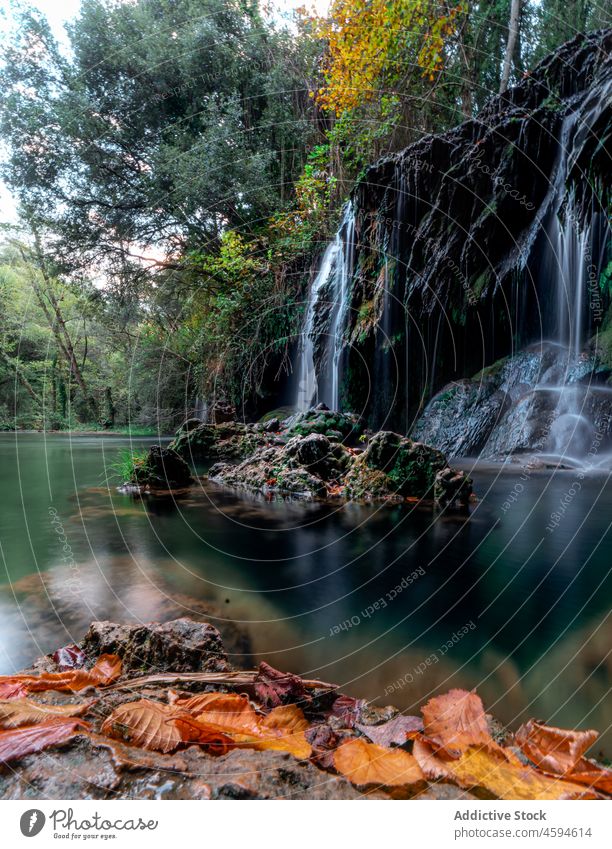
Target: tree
513 30
168 124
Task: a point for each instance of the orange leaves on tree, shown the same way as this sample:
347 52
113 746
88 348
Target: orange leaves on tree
18 742
371 44
366 763
106 670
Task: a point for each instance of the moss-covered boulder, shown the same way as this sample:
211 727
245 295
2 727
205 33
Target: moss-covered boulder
162 468
393 465
309 466
226 441
330 423
314 466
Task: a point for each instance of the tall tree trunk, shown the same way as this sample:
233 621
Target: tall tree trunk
57 323
515 12
14 364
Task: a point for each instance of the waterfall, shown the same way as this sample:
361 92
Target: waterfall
321 341
569 248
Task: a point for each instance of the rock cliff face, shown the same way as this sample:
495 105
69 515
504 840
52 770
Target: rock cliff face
470 246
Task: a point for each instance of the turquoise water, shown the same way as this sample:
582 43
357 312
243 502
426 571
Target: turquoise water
386 600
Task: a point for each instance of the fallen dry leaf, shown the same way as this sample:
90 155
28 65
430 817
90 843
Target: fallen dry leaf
106 670
554 749
10 689
561 752
347 709
158 727
498 770
69 657
395 731
324 741
594 776
283 728
366 763
456 721
18 742
274 688
17 712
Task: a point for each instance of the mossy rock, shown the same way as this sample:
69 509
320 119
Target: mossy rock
162 468
395 465
334 425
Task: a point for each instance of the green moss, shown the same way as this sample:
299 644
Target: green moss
480 282
492 370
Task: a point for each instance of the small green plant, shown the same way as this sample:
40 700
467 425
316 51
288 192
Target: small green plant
127 466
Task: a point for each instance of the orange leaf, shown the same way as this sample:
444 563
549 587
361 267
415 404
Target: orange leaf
554 749
106 670
366 763
594 776
561 752
498 770
17 712
18 742
456 720
153 725
282 729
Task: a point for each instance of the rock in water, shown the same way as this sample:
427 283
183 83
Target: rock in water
163 468
314 466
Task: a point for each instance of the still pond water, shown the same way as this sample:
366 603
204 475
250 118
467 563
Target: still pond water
387 601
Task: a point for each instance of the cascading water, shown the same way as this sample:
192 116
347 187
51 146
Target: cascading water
569 247
550 399
321 341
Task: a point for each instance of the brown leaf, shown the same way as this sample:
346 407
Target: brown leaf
561 752
154 726
10 689
347 709
497 770
324 741
554 749
69 657
456 720
18 742
17 712
595 776
274 688
106 670
395 731
365 763
283 728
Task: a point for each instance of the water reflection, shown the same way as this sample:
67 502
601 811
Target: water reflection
316 585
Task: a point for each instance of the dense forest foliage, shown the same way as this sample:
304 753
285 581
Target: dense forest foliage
179 166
